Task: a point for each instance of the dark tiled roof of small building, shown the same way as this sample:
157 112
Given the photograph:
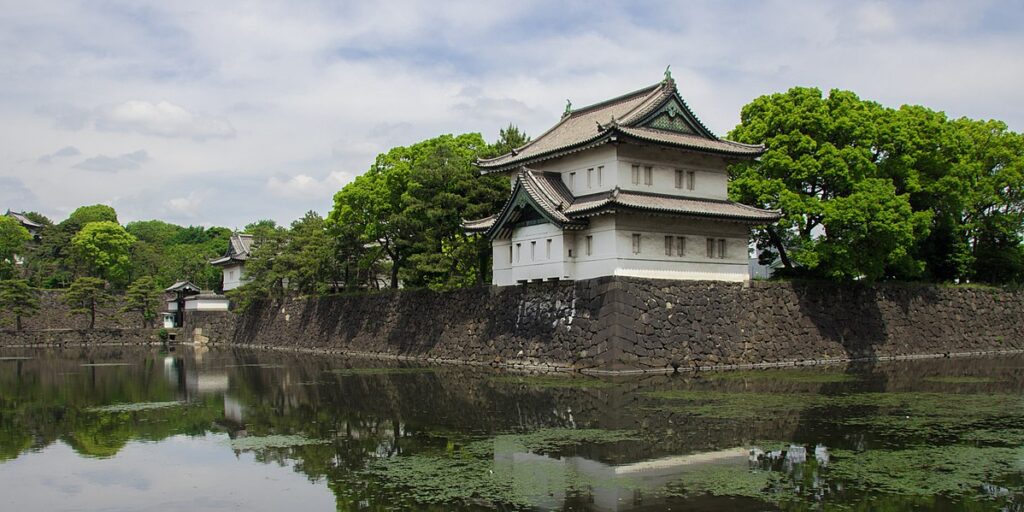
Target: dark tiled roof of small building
24 220
629 114
239 249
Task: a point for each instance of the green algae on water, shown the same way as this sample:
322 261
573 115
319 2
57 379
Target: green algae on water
272 441
484 471
926 471
789 375
727 481
964 379
347 372
135 407
553 381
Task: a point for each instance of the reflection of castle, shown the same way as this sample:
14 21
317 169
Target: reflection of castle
612 487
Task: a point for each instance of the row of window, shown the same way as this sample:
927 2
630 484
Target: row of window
594 175
517 255
674 246
684 179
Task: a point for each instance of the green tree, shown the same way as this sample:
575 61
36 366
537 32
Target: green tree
105 249
16 297
820 168
408 207
85 296
86 214
143 297
13 238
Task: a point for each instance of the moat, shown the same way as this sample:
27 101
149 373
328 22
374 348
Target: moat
185 428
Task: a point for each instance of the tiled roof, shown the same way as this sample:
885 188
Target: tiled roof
182 285
239 249
549 193
479 225
241 246
693 141
25 221
595 124
689 206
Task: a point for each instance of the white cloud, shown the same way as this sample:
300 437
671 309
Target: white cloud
187 206
103 163
302 186
163 119
66 151
260 103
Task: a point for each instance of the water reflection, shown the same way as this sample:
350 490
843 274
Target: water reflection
783 440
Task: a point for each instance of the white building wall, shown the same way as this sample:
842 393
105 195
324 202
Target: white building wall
538 252
234 276
652 261
598 164
710 181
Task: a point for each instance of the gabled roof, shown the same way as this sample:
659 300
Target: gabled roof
655 114
537 191
185 286
239 249
25 221
545 193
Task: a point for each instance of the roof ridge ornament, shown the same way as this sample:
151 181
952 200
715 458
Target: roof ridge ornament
568 107
668 74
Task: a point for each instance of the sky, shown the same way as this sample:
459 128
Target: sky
222 113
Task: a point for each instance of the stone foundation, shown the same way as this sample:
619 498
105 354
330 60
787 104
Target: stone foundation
628 324
75 337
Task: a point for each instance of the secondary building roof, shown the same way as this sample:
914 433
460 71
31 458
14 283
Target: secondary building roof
24 220
544 194
239 250
652 115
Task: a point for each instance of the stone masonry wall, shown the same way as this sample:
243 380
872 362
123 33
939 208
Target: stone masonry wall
55 314
622 324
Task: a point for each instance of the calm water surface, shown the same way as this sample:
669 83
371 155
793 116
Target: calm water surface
190 429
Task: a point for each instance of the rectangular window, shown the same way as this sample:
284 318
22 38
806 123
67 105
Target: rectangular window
691 179
636 174
590 177
680 246
668 246
648 175
533 250
590 245
679 178
721 248
519 252
572 181
600 171
636 243
711 247
547 249
510 254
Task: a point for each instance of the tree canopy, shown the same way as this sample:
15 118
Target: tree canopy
104 248
17 299
86 296
13 237
869 192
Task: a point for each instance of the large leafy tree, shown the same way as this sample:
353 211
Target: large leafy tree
143 297
86 296
13 238
821 169
86 214
408 207
16 298
104 248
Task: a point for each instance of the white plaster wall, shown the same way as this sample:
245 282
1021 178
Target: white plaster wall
652 262
206 305
234 276
711 178
538 265
580 163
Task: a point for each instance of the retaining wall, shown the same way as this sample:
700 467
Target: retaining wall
622 324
